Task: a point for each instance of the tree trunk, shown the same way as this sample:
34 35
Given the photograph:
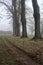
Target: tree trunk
36 18
23 19
16 25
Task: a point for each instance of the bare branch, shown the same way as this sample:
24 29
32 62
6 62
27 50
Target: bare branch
11 10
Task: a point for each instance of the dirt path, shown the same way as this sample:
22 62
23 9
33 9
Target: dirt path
22 58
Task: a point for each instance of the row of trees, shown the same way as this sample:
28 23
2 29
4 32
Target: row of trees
36 18
18 12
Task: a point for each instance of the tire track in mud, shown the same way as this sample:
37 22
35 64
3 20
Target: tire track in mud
22 57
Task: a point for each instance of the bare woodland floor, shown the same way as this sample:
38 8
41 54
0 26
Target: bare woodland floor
11 55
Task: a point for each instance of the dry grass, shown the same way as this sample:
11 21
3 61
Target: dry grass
6 56
26 44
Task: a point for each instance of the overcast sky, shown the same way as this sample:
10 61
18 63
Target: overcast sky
4 23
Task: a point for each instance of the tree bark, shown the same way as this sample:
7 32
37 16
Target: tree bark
37 19
23 19
16 25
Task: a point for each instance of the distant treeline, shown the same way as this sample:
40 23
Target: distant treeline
6 33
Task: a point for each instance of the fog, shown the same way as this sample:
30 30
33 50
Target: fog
7 24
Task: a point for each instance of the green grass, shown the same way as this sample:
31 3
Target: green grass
25 43
6 56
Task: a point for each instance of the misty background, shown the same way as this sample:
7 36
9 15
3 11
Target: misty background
6 21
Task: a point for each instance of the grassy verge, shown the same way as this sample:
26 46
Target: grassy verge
6 56
25 43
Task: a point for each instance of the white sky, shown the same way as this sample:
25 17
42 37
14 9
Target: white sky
4 23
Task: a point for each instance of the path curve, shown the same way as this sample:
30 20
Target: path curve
21 56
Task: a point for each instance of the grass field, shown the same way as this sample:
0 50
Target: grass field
6 56
30 46
26 44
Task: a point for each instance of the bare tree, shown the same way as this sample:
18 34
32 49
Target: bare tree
36 18
13 10
16 25
23 19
